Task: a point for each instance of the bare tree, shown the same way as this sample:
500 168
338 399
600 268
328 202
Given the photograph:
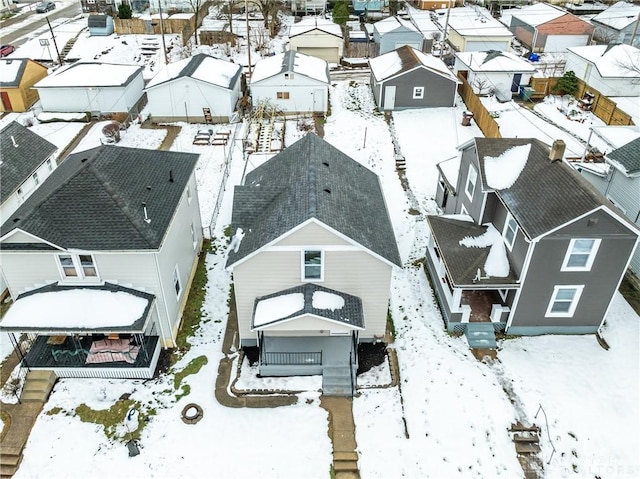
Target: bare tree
226 8
195 8
269 10
630 64
482 84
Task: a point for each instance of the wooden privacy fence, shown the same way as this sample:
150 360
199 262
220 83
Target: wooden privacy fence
481 115
603 107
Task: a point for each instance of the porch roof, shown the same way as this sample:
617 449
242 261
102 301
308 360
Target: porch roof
58 309
309 299
462 262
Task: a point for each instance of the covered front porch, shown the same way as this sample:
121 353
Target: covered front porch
103 331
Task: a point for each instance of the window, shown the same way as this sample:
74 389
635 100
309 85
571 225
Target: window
194 238
580 254
282 95
68 267
20 194
36 180
88 268
312 265
418 92
288 76
49 165
510 231
470 186
176 282
188 195
564 301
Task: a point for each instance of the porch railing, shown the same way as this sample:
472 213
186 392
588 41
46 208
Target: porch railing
286 359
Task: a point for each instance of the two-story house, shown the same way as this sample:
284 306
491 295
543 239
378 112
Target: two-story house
312 256
99 261
526 245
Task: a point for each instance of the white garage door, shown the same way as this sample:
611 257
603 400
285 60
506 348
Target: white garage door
327 54
560 43
486 46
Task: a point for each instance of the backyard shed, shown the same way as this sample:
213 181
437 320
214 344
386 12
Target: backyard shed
393 32
318 37
100 25
17 77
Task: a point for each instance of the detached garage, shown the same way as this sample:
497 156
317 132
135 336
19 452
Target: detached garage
407 78
545 28
317 37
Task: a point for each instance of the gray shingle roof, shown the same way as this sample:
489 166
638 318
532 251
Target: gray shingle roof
21 161
94 199
628 157
462 262
546 194
350 313
312 179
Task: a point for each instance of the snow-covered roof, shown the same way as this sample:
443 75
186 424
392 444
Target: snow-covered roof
423 22
610 60
494 61
390 24
404 59
538 14
291 61
91 75
450 169
68 309
496 263
502 171
11 71
618 16
200 67
617 135
474 22
308 24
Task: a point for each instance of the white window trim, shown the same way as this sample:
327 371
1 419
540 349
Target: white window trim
194 237
574 304
506 228
176 276
590 260
189 198
418 92
77 265
472 172
463 210
302 266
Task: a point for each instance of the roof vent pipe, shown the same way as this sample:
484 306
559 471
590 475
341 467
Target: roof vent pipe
146 215
13 140
170 176
557 151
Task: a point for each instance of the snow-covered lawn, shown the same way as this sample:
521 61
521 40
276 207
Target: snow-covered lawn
449 416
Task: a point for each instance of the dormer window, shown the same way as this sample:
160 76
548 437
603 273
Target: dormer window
77 266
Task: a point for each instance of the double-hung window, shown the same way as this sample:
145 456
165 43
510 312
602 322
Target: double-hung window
564 301
510 231
418 92
312 267
79 266
470 186
580 254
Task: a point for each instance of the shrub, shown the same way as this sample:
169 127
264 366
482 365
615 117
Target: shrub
340 12
124 11
567 84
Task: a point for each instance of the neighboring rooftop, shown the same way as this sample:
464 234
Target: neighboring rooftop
291 61
308 24
495 61
618 16
538 13
404 59
91 75
201 67
627 158
312 179
22 152
96 200
390 24
615 61
473 22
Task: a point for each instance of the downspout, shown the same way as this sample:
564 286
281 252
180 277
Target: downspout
166 308
523 275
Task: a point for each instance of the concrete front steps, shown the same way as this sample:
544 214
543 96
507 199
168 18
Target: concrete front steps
38 386
9 461
345 464
336 381
481 336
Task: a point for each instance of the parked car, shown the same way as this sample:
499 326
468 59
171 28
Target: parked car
44 7
6 50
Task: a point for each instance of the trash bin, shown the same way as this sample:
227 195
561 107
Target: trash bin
467 116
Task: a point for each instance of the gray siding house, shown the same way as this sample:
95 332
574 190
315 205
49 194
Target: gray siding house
312 256
393 33
620 184
99 261
526 245
617 24
407 78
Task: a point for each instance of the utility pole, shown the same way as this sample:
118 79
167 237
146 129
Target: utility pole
55 44
446 26
246 17
164 47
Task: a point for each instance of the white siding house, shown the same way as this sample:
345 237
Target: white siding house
141 248
291 82
195 89
607 68
98 88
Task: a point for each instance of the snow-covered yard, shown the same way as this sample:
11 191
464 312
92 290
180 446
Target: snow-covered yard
449 416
